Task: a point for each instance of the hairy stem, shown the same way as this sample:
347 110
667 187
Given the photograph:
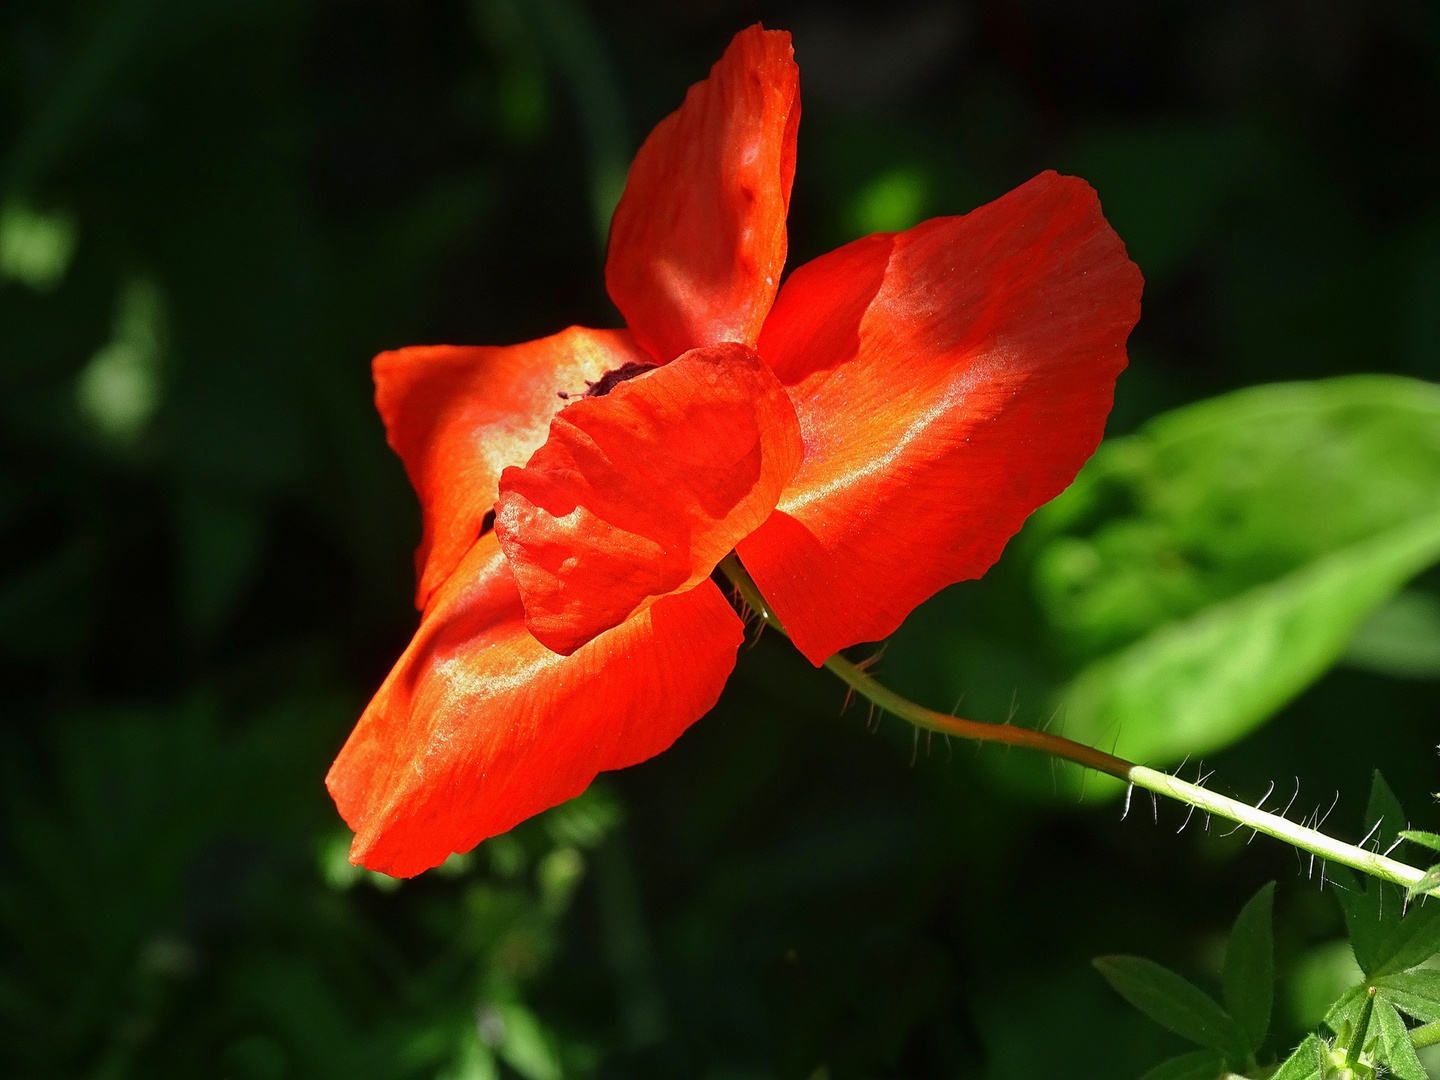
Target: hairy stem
1311 840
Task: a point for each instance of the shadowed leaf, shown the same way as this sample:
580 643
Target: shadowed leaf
1411 941
1175 1003
1249 975
1384 816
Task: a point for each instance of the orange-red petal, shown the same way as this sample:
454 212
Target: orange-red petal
479 726
458 415
641 492
698 239
948 380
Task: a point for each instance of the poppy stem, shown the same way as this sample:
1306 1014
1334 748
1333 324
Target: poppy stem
1306 839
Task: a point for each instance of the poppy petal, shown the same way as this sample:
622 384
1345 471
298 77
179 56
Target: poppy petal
948 381
458 415
641 492
479 726
697 242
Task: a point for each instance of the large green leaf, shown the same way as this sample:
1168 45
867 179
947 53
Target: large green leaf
1175 1003
1204 572
1200 684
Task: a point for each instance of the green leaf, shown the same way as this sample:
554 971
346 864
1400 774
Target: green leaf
1395 1047
1305 1063
1373 908
1423 982
1175 1003
568 34
527 1046
1318 978
1411 941
1414 992
1429 885
1384 816
1401 640
1367 917
1344 1015
1200 684
1197 1065
1208 569
1249 975
1424 839
1424 1009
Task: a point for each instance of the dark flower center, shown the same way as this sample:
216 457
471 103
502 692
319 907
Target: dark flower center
611 379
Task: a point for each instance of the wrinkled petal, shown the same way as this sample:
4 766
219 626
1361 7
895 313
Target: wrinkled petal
948 380
698 239
640 493
458 415
479 726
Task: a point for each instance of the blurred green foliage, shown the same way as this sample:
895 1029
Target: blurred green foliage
213 213
1208 568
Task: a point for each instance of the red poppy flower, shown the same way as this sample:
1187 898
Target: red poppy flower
875 432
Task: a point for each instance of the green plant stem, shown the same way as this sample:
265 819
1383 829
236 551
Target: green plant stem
1317 843
1427 1035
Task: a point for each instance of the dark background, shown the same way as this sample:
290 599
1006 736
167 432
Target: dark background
206 545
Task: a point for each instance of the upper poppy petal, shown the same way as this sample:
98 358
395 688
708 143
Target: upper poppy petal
458 415
698 238
479 726
641 492
948 380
